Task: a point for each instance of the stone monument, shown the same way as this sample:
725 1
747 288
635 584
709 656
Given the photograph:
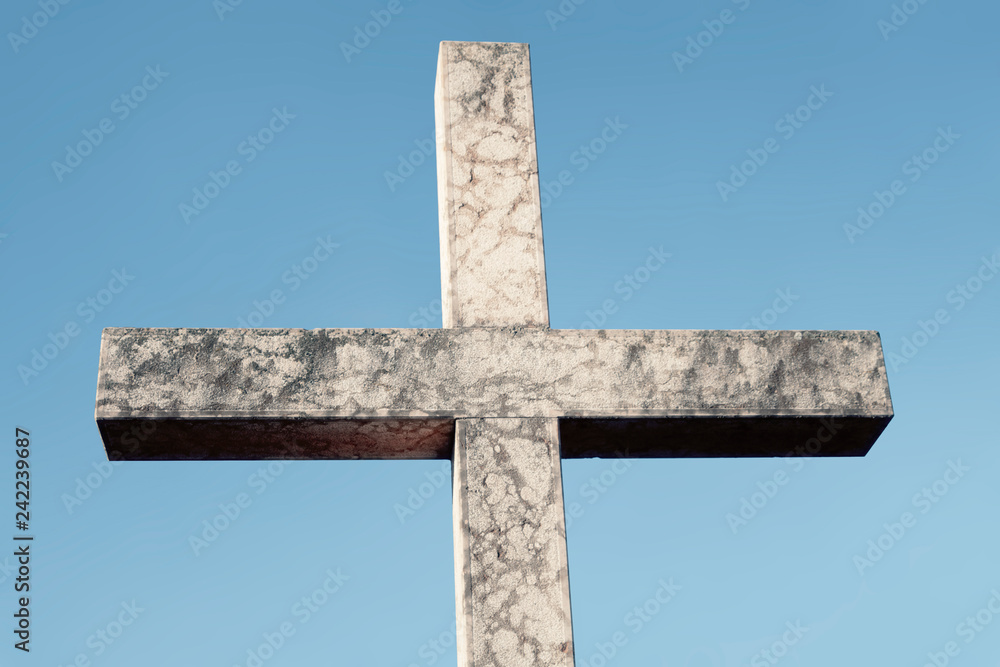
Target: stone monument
496 390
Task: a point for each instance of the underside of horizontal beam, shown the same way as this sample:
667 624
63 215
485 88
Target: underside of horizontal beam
235 439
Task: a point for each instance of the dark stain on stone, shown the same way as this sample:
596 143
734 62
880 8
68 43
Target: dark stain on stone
633 355
706 353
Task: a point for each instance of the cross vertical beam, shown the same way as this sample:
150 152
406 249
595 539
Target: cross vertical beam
492 260
511 569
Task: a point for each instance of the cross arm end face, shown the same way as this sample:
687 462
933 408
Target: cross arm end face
395 393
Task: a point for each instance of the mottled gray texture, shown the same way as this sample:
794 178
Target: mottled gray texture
365 373
492 263
512 589
512 581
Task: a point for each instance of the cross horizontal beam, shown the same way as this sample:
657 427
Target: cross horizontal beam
180 394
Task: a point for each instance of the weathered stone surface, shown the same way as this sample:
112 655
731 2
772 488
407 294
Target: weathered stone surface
512 588
492 262
273 386
512 582
488 373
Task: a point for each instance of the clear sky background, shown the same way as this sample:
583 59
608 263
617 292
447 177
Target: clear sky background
902 125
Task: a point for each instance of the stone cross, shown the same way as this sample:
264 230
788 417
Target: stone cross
496 390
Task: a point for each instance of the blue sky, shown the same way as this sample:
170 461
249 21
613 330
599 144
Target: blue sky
807 166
